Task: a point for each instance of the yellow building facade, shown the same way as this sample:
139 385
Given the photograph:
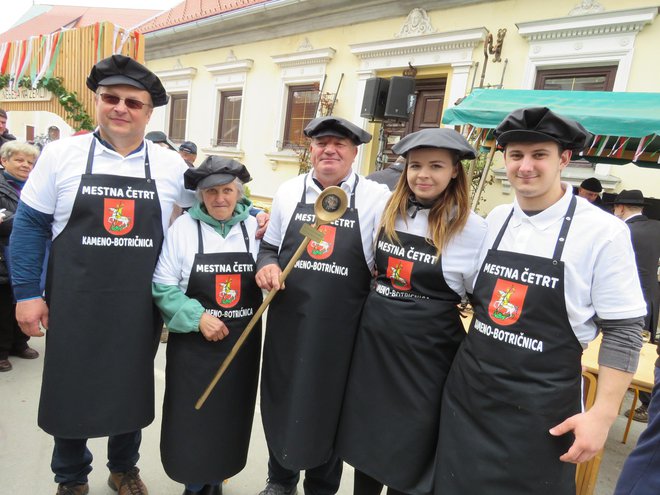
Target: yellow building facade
239 81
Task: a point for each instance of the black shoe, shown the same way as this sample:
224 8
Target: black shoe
277 489
211 490
74 489
206 490
27 353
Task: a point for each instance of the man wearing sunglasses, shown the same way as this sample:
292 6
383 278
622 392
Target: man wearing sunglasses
106 198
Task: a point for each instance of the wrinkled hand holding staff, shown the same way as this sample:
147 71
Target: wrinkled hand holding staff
329 206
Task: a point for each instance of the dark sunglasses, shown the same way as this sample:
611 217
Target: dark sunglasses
129 102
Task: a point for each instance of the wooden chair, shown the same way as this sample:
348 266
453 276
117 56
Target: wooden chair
587 472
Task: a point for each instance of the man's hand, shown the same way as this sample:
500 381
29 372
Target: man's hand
212 328
262 221
268 277
591 428
590 432
29 314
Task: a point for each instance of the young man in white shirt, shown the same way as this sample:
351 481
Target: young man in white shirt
555 270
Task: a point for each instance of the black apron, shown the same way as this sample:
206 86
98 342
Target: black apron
103 326
517 375
211 444
310 334
407 339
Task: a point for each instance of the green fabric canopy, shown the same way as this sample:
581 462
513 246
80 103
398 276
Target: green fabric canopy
601 112
619 120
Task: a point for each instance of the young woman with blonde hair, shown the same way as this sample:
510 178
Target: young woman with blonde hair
427 250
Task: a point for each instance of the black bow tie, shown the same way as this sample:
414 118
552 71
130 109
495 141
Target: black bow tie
413 203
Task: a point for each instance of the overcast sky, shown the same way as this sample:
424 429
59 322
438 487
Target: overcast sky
12 10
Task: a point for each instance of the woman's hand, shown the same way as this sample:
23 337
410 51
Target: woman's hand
212 328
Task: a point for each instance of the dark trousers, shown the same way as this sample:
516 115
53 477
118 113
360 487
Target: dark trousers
645 398
363 484
641 471
72 460
11 337
320 480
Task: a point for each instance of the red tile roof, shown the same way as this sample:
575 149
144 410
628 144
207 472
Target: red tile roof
193 10
50 18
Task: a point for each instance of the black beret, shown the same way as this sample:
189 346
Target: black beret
188 147
160 137
634 197
336 126
215 171
592 184
119 69
436 138
539 124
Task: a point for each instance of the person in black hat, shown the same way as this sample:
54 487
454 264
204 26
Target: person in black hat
410 327
188 151
590 189
645 235
106 199
554 271
312 323
160 138
205 289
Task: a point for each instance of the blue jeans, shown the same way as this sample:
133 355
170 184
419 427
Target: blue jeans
72 460
320 480
641 472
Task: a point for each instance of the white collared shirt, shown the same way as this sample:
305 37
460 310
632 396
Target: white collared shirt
600 276
370 199
52 186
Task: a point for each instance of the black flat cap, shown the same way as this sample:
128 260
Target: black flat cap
538 124
119 69
215 171
160 137
188 147
436 138
634 197
592 185
336 126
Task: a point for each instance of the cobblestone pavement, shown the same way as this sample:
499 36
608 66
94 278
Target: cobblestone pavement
25 450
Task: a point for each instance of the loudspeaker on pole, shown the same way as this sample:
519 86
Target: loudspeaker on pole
400 98
375 98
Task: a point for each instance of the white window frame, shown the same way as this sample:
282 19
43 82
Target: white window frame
304 67
228 76
175 81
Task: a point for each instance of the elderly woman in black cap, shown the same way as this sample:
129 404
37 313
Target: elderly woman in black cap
205 289
426 255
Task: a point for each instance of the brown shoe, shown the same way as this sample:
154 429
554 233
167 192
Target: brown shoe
128 483
27 353
640 414
63 489
5 365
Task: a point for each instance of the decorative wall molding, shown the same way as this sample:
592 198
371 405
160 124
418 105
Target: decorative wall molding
309 57
607 23
427 44
586 7
177 74
417 24
230 67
